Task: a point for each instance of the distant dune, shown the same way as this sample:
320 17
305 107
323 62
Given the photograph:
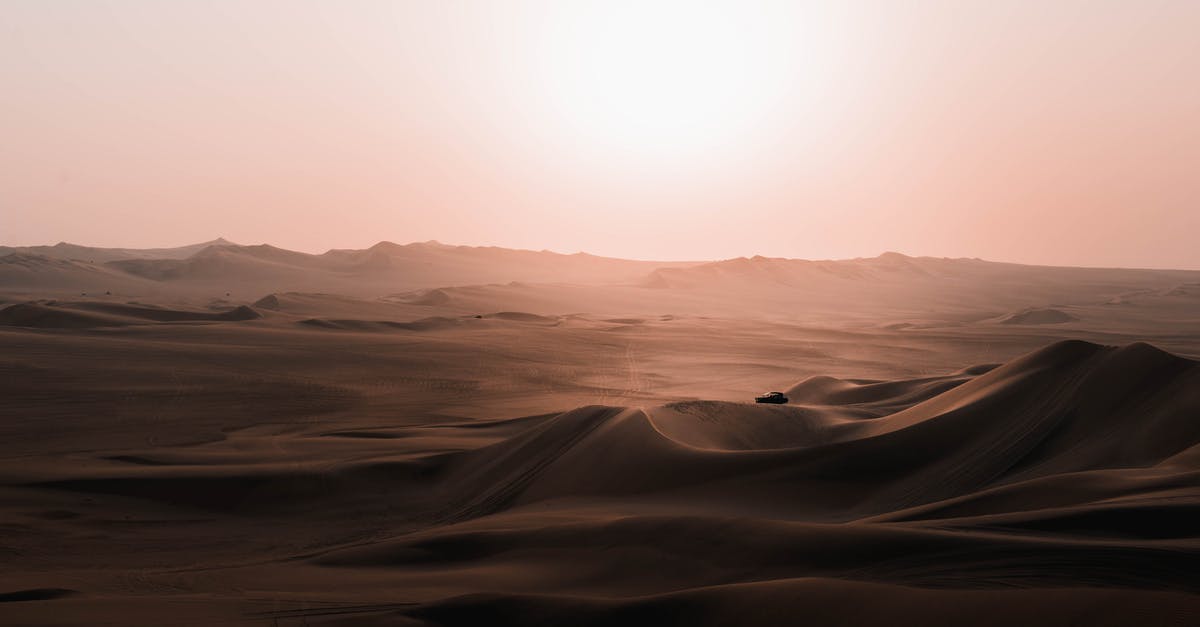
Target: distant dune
436 275
38 274
81 315
423 297
222 266
1045 315
92 254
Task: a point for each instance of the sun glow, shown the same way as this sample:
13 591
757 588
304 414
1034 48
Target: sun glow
672 80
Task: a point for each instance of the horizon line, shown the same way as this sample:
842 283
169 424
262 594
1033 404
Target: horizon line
221 240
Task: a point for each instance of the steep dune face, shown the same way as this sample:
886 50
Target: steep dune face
718 426
1072 407
877 397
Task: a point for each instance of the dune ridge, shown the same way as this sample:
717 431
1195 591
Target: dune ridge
1068 408
950 491
465 279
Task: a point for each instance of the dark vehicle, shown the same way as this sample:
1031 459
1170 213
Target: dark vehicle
771 397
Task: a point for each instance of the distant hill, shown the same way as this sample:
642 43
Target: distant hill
387 267
64 250
465 279
30 273
914 283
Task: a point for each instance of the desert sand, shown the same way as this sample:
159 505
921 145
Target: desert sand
439 435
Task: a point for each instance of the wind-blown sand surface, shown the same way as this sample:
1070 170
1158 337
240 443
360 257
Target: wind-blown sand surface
584 452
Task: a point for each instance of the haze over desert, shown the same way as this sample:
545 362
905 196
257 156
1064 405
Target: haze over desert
527 313
549 439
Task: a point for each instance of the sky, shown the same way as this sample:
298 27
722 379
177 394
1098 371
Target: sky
1062 132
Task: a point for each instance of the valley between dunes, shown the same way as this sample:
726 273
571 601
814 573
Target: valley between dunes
438 435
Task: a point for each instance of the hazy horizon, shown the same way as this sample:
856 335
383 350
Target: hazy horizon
318 251
1063 134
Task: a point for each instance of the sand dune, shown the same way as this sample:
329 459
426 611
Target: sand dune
1078 466
93 254
24 274
1045 315
996 428
428 434
1035 491
922 291
424 324
379 269
434 323
819 602
81 315
877 396
800 470
229 262
217 267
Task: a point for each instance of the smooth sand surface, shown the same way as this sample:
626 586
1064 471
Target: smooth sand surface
966 442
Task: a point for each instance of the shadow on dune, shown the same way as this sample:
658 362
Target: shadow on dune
994 495
434 323
1073 467
1071 408
83 315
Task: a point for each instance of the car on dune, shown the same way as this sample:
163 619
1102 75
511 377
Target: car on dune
777 398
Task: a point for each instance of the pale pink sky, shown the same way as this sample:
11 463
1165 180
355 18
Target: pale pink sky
1042 132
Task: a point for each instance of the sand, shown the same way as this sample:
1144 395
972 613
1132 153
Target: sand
505 450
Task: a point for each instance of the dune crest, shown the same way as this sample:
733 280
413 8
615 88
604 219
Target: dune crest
1010 487
988 430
